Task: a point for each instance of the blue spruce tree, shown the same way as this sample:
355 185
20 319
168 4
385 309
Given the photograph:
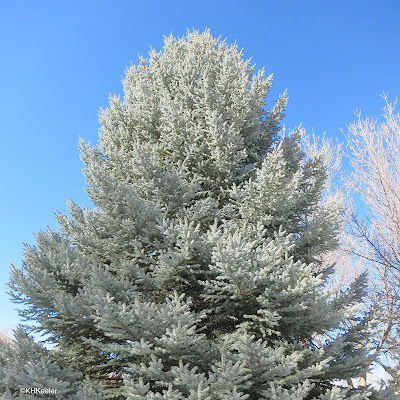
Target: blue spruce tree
196 274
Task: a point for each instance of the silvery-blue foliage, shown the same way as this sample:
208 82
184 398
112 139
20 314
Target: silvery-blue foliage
196 273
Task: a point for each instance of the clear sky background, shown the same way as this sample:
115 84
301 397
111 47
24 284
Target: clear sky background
60 60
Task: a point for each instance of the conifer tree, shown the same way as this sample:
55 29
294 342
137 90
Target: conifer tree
196 274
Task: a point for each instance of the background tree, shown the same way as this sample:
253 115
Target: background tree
197 274
375 156
347 266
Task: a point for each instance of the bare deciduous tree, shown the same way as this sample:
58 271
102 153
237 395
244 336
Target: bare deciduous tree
347 267
375 157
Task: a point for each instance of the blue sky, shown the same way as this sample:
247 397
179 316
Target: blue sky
60 60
